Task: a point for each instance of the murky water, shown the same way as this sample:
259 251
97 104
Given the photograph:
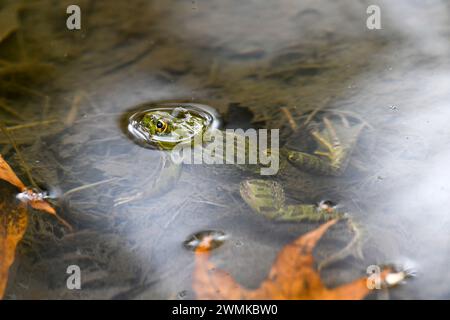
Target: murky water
250 61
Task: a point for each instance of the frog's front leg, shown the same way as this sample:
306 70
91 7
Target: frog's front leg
267 198
333 152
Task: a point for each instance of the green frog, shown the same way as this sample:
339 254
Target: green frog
166 126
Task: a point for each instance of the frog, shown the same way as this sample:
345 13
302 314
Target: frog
165 126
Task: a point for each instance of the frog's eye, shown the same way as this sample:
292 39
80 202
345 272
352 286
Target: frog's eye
161 126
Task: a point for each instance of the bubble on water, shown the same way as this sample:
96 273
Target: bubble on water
204 241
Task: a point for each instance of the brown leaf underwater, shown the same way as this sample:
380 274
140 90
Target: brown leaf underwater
14 220
7 174
13 224
292 277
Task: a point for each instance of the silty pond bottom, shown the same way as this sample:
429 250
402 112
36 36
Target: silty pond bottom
261 65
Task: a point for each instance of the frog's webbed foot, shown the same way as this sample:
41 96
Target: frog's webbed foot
335 144
353 248
267 198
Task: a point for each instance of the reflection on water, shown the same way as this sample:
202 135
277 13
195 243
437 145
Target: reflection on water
264 56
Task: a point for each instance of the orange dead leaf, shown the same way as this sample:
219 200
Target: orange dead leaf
43 206
292 276
205 244
13 224
14 220
7 174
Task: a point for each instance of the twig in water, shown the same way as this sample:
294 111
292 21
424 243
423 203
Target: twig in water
72 114
87 186
289 117
30 125
10 110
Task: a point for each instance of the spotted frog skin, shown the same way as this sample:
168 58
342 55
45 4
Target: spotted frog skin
165 125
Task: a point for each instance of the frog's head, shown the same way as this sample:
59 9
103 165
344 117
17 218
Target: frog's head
158 123
166 125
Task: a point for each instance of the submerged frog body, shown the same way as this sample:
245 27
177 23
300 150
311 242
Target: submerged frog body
165 126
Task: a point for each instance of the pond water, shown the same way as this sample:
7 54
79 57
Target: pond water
260 64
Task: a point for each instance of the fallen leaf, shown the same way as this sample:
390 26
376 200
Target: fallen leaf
7 174
292 277
14 219
43 205
13 224
33 198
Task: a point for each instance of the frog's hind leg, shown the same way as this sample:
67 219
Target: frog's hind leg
263 196
333 154
267 198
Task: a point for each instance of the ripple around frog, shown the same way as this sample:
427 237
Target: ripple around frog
144 138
